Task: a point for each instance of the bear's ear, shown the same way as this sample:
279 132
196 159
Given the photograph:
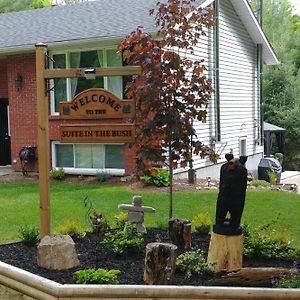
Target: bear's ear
229 156
243 159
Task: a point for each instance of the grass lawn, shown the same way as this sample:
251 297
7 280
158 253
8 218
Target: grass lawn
19 206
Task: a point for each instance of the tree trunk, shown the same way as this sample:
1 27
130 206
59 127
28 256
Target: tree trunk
160 263
171 182
225 252
180 233
253 276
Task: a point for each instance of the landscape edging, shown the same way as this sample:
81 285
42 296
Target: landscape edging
44 289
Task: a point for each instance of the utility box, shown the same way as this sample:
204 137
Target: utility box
265 165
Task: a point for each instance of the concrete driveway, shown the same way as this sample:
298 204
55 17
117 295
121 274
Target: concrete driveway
6 170
291 177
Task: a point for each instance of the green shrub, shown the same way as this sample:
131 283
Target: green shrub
272 177
99 276
268 243
158 177
124 241
29 235
72 227
102 176
288 283
202 223
57 174
121 219
98 222
193 263
262 183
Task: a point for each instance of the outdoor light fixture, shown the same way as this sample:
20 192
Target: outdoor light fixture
90 73
208 180
18 82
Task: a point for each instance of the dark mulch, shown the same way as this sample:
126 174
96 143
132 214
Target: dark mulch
93 255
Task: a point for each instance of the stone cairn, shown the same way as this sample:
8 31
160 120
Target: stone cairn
136 213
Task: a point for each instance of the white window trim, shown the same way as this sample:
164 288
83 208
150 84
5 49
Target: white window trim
67 53
84 171
241 139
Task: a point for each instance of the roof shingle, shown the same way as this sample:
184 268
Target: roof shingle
87 20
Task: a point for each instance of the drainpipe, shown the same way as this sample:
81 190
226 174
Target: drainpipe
217 71
260 66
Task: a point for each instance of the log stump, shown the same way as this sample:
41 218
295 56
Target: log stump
180 233
160 263
225 252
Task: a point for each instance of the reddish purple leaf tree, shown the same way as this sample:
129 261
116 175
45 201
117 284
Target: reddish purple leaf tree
172 89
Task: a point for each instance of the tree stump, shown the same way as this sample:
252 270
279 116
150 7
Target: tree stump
160 263
225 252
180 233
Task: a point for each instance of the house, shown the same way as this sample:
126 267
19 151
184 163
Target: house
87 34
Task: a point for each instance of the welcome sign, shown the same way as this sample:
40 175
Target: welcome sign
102 133
96 103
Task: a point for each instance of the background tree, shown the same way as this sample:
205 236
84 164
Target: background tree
281 90
172 89
18 5
61 2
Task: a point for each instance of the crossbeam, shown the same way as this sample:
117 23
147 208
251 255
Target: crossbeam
74 73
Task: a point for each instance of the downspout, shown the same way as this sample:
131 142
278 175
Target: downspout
217 71
260 66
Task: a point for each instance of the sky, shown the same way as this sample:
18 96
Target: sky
296 5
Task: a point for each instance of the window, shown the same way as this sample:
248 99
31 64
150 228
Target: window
88 156
64 89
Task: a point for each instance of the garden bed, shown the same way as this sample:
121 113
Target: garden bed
93 255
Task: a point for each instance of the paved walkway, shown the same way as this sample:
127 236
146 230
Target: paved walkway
6 170
291 177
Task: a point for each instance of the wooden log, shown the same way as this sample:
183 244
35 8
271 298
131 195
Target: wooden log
160 263
180 233
225 252
253 276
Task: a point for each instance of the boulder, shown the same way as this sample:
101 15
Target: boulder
57 253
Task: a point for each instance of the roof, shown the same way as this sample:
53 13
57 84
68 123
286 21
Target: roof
272 128
87 20
95 20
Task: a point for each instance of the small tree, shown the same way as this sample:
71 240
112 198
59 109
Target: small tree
172 89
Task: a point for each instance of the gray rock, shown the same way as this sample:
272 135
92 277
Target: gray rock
57 253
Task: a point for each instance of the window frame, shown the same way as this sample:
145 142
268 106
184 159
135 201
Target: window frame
68 80
85 171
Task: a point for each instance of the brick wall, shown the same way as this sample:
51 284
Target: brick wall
3 79
23 111
22 102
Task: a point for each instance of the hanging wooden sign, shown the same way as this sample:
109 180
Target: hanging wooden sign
102 133
96 103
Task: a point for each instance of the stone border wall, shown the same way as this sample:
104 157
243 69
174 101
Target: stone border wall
17 284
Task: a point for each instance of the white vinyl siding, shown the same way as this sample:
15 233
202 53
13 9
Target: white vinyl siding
205 130
239 98
239 88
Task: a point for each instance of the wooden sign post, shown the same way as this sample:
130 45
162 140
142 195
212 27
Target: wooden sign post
90 104
43 141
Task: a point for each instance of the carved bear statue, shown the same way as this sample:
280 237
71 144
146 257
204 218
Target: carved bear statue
231 198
